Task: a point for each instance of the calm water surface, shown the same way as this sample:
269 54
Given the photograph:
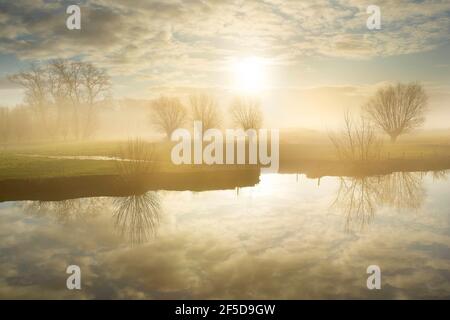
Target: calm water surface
287 237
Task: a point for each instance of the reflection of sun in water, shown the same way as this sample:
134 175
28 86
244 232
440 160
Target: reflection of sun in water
249 74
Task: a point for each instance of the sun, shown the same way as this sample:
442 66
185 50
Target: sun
248 74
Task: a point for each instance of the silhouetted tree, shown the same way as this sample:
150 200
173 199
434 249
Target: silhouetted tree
138 159
167 114
357 141
77 85
246 113
37 95
204 108
398 109
96 82
63 93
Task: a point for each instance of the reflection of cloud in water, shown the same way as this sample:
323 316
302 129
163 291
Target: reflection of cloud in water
282 247
359 198
137 216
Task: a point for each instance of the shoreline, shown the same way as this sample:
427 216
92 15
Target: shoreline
204 178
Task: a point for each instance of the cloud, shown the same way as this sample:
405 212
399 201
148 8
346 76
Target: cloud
197 36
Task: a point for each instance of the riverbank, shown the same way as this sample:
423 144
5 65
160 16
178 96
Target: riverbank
95 159
62 188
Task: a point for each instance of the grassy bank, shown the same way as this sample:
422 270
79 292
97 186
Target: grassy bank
29 161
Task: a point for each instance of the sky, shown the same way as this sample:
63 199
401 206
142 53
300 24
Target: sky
308 60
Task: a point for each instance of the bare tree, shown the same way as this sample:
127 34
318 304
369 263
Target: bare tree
398 109
64 93
96 82
137 159
62 84
168 114
35 82
246 113
82 84
204 108
357 141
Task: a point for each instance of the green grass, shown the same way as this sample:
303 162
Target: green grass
16 161
95 148
23 167
21 162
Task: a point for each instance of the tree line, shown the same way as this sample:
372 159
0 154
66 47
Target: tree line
60 101
168 113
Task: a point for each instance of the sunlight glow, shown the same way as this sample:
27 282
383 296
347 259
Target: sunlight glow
249 74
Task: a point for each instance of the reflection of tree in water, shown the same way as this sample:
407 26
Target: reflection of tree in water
402 190
137 216
66 210
440 175
356 198
360 197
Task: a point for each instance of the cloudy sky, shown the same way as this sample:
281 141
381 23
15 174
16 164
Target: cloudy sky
314 58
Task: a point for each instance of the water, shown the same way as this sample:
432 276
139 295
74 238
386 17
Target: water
287 237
